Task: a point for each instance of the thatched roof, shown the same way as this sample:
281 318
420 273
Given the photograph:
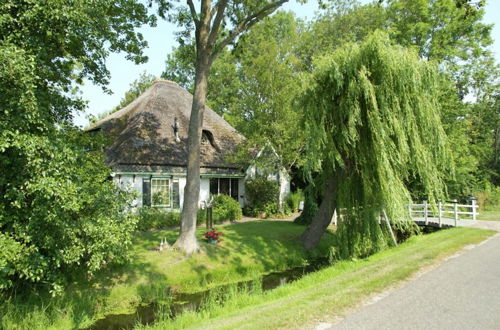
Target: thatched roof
143 132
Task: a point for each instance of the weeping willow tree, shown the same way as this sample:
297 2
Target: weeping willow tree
373 122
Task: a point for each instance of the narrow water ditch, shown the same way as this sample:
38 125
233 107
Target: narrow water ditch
183 302
148 314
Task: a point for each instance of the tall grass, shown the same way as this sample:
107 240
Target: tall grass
248 250
329 291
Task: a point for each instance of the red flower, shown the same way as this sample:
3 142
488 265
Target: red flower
213 235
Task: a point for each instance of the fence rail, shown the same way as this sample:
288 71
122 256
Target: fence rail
433 214
442 210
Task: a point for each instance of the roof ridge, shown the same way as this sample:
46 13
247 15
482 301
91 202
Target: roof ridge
157 80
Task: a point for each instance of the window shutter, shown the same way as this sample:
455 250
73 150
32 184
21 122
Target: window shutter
175 195
146 192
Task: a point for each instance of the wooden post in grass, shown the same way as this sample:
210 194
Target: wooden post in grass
440 211
390 228
210 223
455 210
474 214
426 212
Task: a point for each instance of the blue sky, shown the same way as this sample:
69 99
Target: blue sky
161 40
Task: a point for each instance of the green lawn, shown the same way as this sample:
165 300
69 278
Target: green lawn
489 215
330 292
247 251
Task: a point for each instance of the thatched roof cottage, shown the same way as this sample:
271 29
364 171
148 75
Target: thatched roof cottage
148 152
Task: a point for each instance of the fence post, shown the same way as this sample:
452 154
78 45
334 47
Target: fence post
426 214
473 201
455 210
409 210
440 211
207 217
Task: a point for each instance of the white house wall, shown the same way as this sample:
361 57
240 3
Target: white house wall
129 182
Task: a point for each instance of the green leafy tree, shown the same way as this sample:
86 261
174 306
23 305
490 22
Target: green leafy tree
58 212
260 99
373 122
215 26
180 66
448 32
339 22
254 86
453 34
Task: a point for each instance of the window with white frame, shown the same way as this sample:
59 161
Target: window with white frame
224 186
160 192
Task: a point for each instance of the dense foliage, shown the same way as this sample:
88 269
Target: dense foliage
310 207
373 120
262 197
156 218
451 33
293 199
58 211
254 86
224 208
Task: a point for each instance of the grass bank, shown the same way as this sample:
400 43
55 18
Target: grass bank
489 215
247 251
331 291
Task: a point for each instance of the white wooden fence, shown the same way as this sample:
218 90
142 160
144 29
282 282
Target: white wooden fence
448 213
440 211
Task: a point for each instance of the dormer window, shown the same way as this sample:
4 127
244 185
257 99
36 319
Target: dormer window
207 138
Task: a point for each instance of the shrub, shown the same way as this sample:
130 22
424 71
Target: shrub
262 196
156 218
293 200
59 214
226 208
310 209
489 199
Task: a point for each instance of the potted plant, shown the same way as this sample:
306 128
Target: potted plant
213 236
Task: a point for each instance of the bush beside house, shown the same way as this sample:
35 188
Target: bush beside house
293 200
224 208
156 218
262 197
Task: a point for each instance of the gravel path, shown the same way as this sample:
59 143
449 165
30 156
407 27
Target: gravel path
462 293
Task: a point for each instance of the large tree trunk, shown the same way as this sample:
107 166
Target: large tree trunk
187 240
312 235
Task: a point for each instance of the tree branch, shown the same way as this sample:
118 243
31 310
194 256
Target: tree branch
194 15
214 31
245 25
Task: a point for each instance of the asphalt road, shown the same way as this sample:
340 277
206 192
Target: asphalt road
462 293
